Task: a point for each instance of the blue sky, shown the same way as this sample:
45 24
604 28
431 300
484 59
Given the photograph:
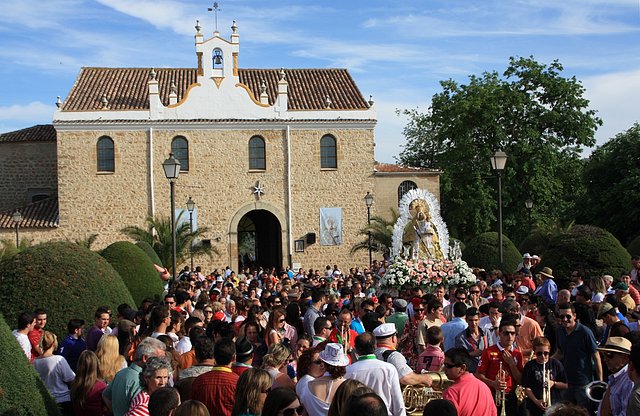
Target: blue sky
396 51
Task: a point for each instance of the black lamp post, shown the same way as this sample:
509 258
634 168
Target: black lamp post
498 161
191 205
17 218
171 168
529 205
368 199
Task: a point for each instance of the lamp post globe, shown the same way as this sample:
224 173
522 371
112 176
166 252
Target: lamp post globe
498 162
171 167
17 219
191 205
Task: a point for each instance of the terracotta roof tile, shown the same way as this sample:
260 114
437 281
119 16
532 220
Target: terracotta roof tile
39 133
41 214
126 88
390 168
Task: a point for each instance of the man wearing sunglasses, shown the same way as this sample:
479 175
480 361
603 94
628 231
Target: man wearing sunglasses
578 351
469 395
616 353
503 353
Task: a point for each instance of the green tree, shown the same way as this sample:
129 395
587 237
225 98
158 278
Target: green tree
381 230
612 179
531 112
158 236
8 247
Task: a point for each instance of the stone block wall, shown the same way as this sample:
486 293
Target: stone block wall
26 166
220 182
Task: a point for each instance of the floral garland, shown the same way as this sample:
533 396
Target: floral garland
426 274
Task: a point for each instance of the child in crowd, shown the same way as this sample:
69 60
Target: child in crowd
432 357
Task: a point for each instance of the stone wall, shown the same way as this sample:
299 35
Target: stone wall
220 182
386 188
27 168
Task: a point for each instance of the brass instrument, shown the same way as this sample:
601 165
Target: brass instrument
546 386
500 395
416 397
596 390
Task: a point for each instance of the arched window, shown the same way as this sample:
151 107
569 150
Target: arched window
405 187
328 154
257 153
180 150
105 153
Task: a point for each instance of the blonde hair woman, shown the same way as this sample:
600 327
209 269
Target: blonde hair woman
599 289
86 389
251 392
275 363
55 373
109 359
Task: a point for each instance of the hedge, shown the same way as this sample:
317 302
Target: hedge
69 280
482 251
21 390
146 247
634 246
592 250
136 269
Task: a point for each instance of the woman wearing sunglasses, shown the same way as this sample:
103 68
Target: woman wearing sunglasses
282 402
540 374
317 397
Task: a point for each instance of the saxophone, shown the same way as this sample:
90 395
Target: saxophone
500 395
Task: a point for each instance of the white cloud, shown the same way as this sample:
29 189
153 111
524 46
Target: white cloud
615 97
18 116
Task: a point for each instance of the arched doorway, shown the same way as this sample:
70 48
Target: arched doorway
259 240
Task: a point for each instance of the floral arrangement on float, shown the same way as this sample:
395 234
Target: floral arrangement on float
421 256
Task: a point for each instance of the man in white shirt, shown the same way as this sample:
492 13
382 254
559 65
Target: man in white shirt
380 376
26 323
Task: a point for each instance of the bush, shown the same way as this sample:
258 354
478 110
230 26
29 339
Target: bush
146 247
21 390
68 280
634 246
482 251
593 250
136 269
536 242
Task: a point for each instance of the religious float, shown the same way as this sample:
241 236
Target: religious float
422 257
420 252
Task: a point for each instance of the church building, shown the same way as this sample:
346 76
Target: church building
278 161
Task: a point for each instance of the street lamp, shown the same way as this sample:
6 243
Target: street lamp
368 199
17 218
529 205
191 205
498 161
171 168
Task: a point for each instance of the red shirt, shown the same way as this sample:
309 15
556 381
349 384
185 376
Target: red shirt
471 397
216 389
34 338
490 364
335 336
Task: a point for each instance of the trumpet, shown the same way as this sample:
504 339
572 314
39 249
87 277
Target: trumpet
546 386
500 395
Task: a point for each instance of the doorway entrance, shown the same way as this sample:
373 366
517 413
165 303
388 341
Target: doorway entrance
259 240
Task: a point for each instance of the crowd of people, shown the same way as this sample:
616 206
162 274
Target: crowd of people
269 342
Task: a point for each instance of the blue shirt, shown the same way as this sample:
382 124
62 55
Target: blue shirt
71 349
620 387
357 326
548 290
577 349
452 329
466 341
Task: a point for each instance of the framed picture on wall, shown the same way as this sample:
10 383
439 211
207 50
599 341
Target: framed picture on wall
298 246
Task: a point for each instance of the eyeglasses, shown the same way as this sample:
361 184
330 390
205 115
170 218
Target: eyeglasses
317 362
508 332
208 311
280 320
541 353
170 303
462 299
447 365
290 411
474 292
565 317
328 327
